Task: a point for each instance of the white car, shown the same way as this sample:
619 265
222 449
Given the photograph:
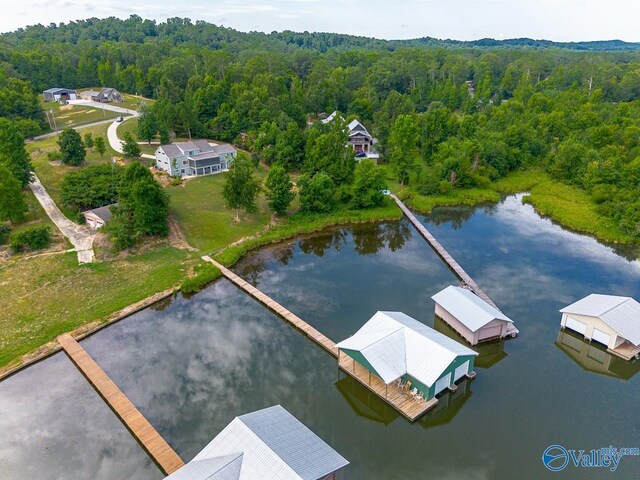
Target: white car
119 119
385 192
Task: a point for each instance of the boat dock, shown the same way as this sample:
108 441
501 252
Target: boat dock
326 343
454 266
395 397
147 436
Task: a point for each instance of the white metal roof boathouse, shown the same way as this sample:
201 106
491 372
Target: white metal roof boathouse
608 319
472 317
270 444
404 361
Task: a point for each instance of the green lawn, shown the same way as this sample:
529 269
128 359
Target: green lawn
200 210
51 174
53 294
69 116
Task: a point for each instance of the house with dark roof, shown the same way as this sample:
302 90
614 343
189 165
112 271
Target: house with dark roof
97 217
58 94
270 444
194 158
360 139
106 95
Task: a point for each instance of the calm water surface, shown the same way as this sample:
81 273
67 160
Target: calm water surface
191 365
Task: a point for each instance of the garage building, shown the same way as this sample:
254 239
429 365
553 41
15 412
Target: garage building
473 318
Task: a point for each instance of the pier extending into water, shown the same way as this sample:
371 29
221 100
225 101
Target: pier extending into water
394 396
326 343
156 447
454 266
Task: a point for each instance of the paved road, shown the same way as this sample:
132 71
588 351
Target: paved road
79 127
80 236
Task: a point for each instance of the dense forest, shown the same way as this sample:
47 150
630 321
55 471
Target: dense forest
446 114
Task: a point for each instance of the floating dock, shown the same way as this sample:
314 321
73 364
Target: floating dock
455 267
156 447
391 394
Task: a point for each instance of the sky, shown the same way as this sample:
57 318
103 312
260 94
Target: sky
559 20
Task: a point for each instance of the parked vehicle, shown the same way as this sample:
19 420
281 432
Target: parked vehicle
119 119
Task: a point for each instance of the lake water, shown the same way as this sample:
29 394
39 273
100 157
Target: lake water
192 365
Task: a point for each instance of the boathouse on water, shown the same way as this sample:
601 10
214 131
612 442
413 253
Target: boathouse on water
270 444
473 318
608 319
397 348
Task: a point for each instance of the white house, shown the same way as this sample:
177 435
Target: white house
470 316
269 444
394 346
195 158
610 320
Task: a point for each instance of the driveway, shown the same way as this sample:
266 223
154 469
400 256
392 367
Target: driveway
116 143
104 106
80 236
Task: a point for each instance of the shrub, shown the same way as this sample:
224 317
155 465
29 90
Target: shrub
54 156
5 230
33 239
444 187
317 193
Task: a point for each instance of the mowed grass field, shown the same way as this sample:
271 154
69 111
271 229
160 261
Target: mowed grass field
52 294
200 209
69 116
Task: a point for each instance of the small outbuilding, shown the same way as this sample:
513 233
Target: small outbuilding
608 319
59 94
97 217
397 348
269 444
473 318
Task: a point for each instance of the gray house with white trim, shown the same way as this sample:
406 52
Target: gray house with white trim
270 444
195 158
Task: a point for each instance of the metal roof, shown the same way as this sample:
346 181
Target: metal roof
274 446
218 468
56 90
620 313
396 344
468 308
179 149
103 213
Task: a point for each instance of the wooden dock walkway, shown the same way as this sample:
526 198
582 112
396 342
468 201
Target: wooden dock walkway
455 267
399 399
326 343
147 436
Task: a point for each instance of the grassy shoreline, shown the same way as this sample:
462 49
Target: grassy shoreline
566 205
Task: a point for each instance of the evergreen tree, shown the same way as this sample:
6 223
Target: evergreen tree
142 207
101 148
279 189
147 125
130 147
88 140
241 187
13 155
12 206
71 147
